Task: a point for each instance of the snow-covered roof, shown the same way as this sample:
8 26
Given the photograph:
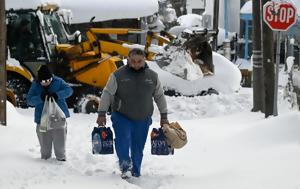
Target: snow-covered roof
190 20
247 8
101 9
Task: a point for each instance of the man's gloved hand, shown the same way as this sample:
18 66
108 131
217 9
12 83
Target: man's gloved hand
163 121
54 95
101 120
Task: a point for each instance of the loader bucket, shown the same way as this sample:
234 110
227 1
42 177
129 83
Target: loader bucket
201 53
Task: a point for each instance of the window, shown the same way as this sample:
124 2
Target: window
23 36
197 11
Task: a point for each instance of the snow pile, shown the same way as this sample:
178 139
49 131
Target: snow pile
181 64
290 63
178 72
284 74
153 48
244 64
283 79
239 150
13 62
189 108
247 8
190 20
226 78
170 15
155 24
177 30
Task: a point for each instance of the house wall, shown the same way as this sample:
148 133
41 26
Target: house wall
234 7
195 4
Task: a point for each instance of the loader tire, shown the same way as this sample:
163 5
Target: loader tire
91 107
87 104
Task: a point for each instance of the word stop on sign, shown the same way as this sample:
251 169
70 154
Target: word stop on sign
279 16
284 15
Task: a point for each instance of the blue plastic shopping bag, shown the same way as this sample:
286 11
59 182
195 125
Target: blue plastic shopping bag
102 140
159 145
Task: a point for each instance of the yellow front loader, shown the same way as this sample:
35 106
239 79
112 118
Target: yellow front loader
38 37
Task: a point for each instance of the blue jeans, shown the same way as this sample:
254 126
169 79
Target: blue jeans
130 135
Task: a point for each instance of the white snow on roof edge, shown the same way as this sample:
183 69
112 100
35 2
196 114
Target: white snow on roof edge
247 8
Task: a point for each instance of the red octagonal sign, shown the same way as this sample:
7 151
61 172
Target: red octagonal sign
279 16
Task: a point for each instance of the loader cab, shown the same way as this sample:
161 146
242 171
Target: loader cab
32 36
24 38
27 39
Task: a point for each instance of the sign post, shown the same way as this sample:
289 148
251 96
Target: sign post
278 39
279 16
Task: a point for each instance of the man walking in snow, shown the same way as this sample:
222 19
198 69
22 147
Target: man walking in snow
47 85
130 91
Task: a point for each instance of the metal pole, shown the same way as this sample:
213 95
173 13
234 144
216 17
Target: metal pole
216 24
227 49
226 18
298 63
2 64
257 73
291 47
275 110
246 56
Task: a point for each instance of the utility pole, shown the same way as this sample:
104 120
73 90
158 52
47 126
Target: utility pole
268 64
278 43
2 64
257 73
216 25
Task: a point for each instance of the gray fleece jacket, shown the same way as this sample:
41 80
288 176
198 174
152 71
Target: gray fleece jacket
131 92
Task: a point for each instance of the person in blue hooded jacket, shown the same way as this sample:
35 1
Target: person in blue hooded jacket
45 86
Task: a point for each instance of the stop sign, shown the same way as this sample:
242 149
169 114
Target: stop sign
279 16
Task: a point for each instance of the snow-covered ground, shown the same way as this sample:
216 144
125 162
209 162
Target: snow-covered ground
228 147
